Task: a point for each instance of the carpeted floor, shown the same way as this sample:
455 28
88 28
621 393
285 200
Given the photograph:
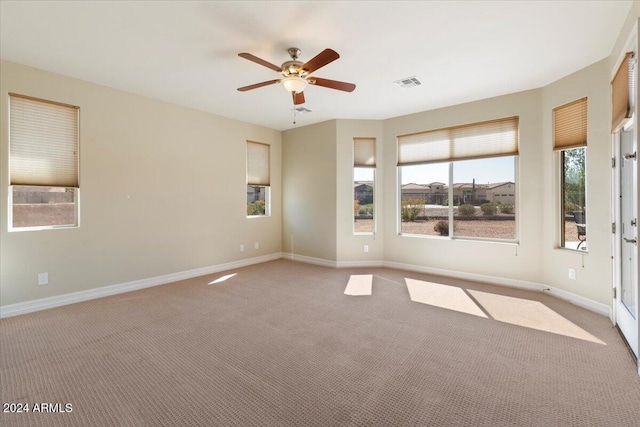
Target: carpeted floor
280 344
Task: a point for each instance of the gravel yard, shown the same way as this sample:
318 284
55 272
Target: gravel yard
492 229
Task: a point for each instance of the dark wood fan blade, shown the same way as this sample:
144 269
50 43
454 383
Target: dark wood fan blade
257 60
257 85
320 60
332 84
298 98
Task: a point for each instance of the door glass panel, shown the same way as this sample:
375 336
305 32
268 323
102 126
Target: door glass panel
628 221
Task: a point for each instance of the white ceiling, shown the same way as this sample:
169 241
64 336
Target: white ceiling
186 52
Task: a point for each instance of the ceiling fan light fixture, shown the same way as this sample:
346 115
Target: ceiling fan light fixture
294 84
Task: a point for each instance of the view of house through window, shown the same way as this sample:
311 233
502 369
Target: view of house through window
43 163
363 185
483 199
460 181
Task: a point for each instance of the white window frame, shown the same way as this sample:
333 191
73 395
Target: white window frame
267 201
451 218
559 157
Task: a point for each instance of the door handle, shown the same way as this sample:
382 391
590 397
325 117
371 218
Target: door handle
634 240
628 156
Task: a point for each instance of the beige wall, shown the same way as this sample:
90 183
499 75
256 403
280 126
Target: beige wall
309 191
593 270
162 191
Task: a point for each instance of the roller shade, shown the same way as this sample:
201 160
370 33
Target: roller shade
622 92
473 141
43 143
364 152
258 168
570 125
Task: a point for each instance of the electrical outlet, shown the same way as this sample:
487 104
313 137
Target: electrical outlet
257 245
572 273
241 248
43 279
366 248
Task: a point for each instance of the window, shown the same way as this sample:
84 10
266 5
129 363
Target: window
364 178
570 141
622 93
258 179
460 182
43 164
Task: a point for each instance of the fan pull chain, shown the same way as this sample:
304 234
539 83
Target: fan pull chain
294 107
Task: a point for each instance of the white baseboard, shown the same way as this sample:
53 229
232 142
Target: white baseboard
310 260
333 264
356 264
60 300
596 307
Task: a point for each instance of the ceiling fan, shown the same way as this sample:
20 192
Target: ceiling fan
296 74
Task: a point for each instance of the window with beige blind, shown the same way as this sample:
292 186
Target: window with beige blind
460 182
622 93
570 142
258 179
364 178
43 163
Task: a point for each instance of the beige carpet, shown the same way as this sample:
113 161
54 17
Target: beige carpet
280 344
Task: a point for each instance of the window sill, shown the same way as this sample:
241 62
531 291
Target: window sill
572 250
462 239
40 228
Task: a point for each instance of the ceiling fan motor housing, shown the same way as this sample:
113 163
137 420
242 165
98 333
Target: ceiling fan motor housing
293 68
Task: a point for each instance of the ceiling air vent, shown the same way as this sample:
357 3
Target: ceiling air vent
408 82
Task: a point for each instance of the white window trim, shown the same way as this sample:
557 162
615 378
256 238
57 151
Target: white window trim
559 211
13 229
515 241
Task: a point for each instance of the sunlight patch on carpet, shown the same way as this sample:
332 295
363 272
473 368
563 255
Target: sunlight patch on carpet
223 278
530 314
443 296
359 284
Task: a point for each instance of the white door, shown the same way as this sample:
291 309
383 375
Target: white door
627 292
